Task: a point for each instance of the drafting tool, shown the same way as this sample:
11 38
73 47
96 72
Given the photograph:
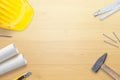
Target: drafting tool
101 65
111 44
110 38
5 36
116 36
113 40
24 76
108 10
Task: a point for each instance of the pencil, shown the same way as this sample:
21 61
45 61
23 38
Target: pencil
110 38
111 44
116 36
5 36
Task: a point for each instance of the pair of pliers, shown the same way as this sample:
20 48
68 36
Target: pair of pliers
108 10
24 76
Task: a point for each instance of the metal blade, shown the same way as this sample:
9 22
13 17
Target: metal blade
99 63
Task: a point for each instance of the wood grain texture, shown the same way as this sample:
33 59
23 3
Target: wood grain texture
64 40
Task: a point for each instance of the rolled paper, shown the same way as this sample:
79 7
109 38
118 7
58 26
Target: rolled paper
12 64
8 52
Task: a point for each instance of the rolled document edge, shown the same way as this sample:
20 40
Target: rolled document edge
12 64
8 52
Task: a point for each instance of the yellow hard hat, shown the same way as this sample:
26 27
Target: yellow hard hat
15 14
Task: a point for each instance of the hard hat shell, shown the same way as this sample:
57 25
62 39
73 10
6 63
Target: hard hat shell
15 14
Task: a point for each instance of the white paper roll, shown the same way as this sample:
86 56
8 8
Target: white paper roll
12 64
8 52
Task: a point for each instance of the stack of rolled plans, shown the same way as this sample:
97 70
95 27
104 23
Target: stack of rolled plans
10 59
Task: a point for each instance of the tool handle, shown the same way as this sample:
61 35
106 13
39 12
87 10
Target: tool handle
111 72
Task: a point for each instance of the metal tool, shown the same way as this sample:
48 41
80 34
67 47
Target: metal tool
114 45
108 10
116 36
100 65
110 38
24 76
116 41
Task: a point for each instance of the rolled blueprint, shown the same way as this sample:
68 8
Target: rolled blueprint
8 52
12 64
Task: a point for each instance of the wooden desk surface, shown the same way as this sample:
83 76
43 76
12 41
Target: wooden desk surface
64 40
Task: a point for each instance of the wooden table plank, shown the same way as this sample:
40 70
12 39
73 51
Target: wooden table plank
64 40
